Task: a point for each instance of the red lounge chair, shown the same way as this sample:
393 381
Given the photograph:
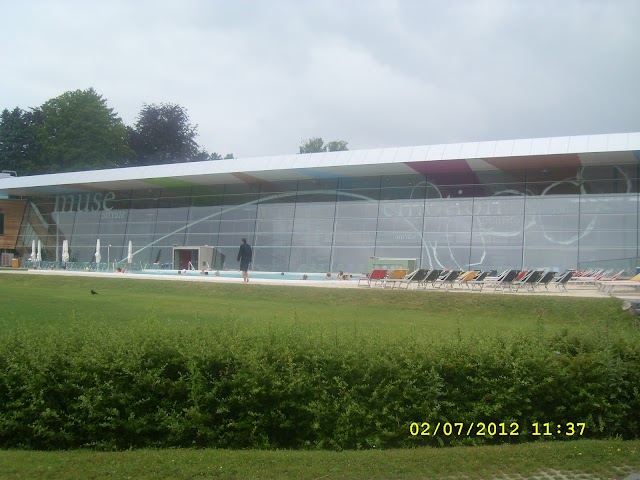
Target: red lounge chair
376 276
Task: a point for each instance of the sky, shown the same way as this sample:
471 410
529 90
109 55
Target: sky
260 77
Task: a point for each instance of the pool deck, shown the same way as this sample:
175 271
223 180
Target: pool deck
572 290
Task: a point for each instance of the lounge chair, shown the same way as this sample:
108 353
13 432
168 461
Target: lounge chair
416 278
376 276
432 277
529 281
591 279
633 282
505 280
494 277
521 276
448 279
562 280
394 276
466 277
478 281
613 276
545 280
602 283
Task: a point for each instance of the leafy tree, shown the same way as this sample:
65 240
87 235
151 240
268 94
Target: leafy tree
78 131
316 145
337 146
18 144
163 134
203 155
313 145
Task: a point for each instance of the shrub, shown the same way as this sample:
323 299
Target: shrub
172 385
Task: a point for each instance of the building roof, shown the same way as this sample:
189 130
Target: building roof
583 150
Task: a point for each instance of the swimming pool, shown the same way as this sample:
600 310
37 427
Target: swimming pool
237 274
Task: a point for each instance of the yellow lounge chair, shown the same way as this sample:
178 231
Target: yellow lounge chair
396 275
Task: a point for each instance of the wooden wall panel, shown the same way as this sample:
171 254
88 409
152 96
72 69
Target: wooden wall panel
13 211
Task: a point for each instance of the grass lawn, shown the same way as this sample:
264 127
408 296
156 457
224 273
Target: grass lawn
44 304
32 300
603 459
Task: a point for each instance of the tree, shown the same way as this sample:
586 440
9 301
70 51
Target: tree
316 145
337 146
163 134
78 131
203 155
18 144
313 145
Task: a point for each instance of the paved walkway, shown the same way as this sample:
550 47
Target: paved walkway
558 475
572 291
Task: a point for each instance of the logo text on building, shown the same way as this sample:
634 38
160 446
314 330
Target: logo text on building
84 202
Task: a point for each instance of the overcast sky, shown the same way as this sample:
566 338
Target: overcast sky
258 77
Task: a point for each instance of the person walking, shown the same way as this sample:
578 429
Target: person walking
244 257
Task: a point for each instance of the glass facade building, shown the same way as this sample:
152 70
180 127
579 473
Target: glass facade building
558 203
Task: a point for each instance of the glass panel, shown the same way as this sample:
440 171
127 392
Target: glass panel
347 207
402 209
85 234
271 259
555 258
399 232
312 239
274 233
352 260
402 181
499 205
550 230
203 225
65 222
399 252
310 259
499 230
231 233
140 231
170 231
444 256
489 258
608 179
240 207
355 231
113 227
608 204
609 226
275 224
552 205
411 188
317 189
351 183
447 207
553 181
315 210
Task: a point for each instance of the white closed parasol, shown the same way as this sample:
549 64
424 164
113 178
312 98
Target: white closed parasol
97 254
65 250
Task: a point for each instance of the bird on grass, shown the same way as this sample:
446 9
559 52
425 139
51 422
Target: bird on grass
93 292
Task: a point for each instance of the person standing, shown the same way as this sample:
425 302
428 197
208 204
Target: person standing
244 257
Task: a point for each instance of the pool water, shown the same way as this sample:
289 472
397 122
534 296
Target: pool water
237 274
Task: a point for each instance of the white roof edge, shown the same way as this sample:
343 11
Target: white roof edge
283 162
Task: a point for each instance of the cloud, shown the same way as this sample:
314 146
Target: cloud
258 77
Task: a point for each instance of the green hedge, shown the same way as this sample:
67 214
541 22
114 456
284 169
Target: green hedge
154 385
